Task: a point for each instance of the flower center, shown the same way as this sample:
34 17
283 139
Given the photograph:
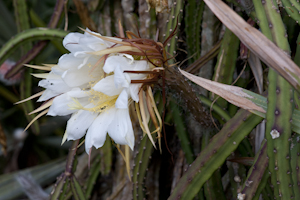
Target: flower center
101 101
98 101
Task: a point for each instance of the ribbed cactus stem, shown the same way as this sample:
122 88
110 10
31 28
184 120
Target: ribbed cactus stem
292 7
213 188
193 18
225 66
174 21
256 173
141 161
279 112
182 133
295 164
262 20
214 155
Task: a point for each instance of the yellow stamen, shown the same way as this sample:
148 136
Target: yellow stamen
76 105
100 100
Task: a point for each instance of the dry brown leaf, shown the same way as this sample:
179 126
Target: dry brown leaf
266 50
232 94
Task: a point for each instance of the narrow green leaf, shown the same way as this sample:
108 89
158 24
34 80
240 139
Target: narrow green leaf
76 188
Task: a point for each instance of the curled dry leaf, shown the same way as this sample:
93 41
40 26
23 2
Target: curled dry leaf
259 44
232 94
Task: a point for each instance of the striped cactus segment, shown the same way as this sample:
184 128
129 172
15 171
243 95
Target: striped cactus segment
279 112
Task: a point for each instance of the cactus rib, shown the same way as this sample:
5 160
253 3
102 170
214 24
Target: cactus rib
182 134
279 112
256 173
226 62
141 161
28 36
213 156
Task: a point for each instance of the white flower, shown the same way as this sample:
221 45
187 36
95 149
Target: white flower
98 103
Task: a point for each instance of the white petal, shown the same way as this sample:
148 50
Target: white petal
79 123
93 43
78 93
110 64
96 134
126 64
113 61
70 42
76 77
84 62
119 64
120 130
130 57
52 75
69 61
134 91
57 85
48 94
139 65
119 78
56 70
61 104
122 101
107 86
81 54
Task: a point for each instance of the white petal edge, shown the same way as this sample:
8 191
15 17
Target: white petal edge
120 130
107 86
79 123
122 101
97 132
